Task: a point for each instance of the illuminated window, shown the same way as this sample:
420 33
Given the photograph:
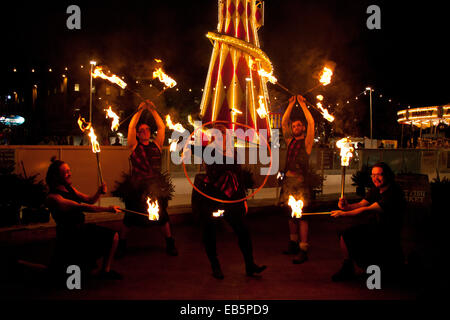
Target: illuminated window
108 90
77 87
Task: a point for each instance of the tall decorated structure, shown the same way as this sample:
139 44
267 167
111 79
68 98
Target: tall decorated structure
235 88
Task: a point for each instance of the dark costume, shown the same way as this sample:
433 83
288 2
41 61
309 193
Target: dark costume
379 241
146 170
224 182
297 161
78 243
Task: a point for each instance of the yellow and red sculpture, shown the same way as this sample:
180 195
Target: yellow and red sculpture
235 88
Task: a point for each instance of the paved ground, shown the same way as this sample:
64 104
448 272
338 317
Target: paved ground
152 275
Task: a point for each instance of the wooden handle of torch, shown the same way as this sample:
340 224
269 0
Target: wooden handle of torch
343 181
99 168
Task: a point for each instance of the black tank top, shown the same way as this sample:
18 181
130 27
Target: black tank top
297 160
70 218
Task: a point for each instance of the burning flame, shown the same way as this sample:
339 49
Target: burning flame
319 97
98 72
325 112
218 213
158 60
177 127
325 78
84 126
115 117
346 151
173 144
269 76
153 209
296 206
262 111
164 78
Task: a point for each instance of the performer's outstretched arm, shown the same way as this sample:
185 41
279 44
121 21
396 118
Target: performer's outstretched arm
285 121
309 140
131 138
159 123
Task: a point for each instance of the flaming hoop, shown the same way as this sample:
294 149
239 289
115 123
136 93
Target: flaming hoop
218 213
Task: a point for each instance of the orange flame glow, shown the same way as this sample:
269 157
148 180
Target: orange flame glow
98 72
115 117
325 78
177 127
164 78
153 209
296 206
218 213
325 112
346 151
262 111
268 76
85 126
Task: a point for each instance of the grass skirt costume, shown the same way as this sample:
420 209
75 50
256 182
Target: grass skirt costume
134 190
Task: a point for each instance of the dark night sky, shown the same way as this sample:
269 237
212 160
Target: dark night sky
406 59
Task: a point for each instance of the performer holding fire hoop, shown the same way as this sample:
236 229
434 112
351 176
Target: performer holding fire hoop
229 182
299 139
146 179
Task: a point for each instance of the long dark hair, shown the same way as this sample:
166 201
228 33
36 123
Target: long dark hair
388 174
53 177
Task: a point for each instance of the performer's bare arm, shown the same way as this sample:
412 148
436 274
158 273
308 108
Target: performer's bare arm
57 202
161 131
91 199
131 138
309 140
373 208
344 205
286 122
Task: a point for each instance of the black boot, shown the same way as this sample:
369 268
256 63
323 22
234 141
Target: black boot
216 270
170 247
293 248
346 273
253 268
301 257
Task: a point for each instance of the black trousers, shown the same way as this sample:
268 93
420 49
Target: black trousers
234 215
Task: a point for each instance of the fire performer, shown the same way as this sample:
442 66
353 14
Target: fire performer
299 139
146 175
79 243
227 181
376 241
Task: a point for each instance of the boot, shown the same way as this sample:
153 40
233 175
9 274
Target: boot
346 273
254 268
293 248
170 247
301 257
216 270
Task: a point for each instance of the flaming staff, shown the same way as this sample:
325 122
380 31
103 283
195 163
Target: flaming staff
98 73
164 78
325 78
152 210
346 154
87 126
